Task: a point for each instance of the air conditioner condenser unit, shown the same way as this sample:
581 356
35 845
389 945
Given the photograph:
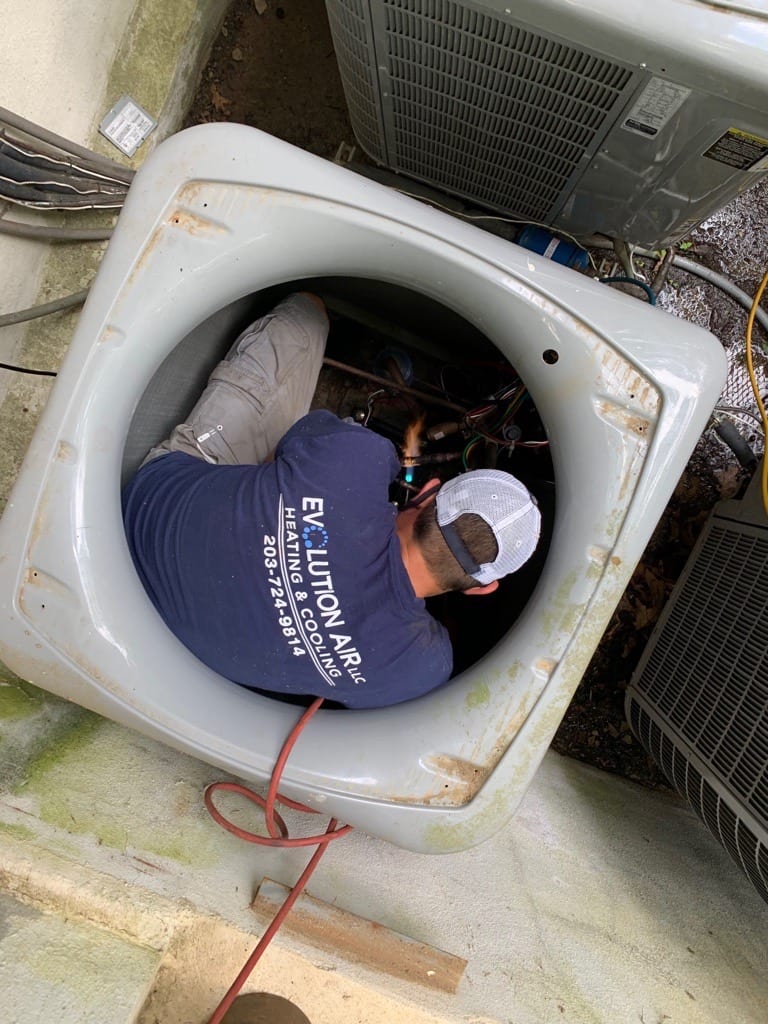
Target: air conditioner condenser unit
216 217
637 120
699 698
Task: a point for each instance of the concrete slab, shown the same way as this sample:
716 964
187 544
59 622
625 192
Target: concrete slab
601 901
68 972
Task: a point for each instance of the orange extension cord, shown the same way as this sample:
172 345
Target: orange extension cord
278 836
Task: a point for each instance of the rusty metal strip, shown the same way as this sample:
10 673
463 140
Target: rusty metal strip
360 940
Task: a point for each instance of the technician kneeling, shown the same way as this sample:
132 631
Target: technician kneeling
296 574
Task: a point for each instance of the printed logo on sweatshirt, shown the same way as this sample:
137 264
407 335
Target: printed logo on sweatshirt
314 536
309 614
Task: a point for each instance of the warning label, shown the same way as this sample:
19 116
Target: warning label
659 101
740 149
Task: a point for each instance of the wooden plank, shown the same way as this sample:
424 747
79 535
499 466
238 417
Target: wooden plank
361 940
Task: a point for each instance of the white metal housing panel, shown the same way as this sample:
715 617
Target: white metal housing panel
637 120
220 212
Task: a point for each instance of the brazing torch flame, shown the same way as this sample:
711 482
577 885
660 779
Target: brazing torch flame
412 445
412 442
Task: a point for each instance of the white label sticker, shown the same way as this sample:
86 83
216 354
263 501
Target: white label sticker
127 125
550 250
657 104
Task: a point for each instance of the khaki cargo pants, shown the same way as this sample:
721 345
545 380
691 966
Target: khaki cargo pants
262 387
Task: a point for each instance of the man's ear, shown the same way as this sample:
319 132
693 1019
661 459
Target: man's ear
487 589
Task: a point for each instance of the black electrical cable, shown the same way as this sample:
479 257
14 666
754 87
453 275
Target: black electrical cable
92 159
728 432
52 183
27 369
651 295
35 197
63 164
44 233
22 315
692 267
52 204
54 179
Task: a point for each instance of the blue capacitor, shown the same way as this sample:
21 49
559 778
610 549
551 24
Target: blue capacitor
544 242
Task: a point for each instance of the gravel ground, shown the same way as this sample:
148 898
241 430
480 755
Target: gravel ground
277 71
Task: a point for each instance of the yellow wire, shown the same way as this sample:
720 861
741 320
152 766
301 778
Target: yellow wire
756 388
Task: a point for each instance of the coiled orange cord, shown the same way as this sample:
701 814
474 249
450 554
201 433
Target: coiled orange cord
278 837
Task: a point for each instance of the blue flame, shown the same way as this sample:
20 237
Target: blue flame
409 475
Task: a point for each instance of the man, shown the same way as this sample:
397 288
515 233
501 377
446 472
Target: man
265 538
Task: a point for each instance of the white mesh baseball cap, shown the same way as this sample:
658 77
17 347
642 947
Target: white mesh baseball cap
507 507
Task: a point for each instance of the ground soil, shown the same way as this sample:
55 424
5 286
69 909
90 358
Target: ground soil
276 71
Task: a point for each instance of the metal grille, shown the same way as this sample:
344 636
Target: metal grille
738 387
745 849
738 398
704 677
483 108
349 21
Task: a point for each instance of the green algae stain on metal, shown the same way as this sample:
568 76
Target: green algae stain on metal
452 836
562 612
514 670
478 696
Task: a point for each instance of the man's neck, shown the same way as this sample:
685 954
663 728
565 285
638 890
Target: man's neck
422 580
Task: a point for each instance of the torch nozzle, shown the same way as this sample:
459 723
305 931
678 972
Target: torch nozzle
425 460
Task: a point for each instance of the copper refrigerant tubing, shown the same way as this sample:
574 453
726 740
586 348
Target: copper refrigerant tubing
388 383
